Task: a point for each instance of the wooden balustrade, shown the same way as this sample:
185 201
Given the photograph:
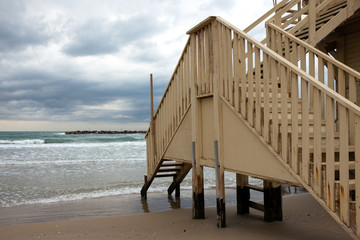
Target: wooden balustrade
172 108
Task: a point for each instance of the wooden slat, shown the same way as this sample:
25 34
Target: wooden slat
223 68
236 64
250 68
305 119
207 59
317 144
294 112
258 90
322 80
312 73
221 59
344 166
201 88
229 66
275 125
242 76
181 90
266 72
284 119
330 169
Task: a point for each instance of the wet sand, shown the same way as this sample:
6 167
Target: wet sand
304 218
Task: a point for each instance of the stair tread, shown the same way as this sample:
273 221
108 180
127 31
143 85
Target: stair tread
169 170
171 164
165 175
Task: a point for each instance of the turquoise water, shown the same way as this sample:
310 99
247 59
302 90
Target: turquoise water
46 167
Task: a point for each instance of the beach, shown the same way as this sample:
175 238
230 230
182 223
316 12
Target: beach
303 218
58 186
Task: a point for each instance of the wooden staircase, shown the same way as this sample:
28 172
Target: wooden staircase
287 98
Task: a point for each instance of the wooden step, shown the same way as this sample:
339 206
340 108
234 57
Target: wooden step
169 170
164 175
172 164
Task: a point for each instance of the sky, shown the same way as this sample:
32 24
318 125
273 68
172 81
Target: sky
85 64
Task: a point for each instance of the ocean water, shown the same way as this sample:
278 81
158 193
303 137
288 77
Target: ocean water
48 167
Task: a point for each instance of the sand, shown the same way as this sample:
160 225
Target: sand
304 218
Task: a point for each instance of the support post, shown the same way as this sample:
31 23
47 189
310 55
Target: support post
220 198
177 188
151 157
242 194
272 202
218 149
144 188
198 206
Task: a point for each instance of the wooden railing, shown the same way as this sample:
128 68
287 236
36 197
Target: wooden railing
271 93
334 74
176 101
171 110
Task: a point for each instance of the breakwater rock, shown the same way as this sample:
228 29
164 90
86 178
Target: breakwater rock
104 132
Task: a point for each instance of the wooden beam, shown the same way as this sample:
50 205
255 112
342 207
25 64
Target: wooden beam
242 194
272 202
198 205
219 167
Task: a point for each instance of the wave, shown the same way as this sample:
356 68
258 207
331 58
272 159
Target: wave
70 140
23 142
79 196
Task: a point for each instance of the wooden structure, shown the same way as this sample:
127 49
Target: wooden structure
284 110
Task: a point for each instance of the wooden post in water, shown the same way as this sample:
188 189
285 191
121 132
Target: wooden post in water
272 202
152 132
242 194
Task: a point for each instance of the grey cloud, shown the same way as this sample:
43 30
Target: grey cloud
47 96
98 37
16 30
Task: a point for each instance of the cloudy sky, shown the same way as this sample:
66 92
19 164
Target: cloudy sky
85 64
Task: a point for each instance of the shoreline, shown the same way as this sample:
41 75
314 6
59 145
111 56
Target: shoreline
303 218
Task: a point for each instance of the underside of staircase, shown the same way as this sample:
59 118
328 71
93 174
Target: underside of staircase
280 110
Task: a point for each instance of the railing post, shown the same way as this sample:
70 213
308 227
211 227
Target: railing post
312 20
198 206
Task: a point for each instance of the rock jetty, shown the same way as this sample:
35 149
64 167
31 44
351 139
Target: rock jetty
104 132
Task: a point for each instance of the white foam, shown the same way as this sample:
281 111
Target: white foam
23 142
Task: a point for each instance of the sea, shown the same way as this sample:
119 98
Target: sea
51 167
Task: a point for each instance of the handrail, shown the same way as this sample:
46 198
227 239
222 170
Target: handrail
172 76
317 51
171 110
295 68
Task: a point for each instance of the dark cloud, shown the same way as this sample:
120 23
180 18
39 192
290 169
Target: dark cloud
103 37
39 96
